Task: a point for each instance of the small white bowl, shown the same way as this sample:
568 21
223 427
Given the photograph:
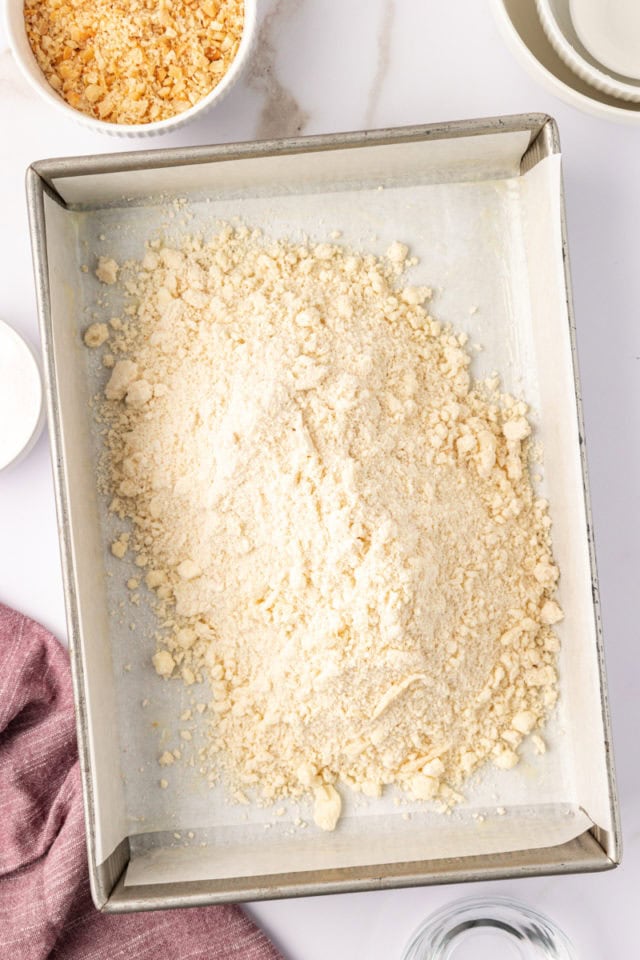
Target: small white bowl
25 58
22 412
555 16
521 28
610 31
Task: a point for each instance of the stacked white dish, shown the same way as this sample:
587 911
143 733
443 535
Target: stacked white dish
585 51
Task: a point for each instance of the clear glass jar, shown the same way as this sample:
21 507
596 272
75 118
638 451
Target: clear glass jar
491 928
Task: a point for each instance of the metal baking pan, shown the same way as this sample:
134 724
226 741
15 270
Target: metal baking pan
481 204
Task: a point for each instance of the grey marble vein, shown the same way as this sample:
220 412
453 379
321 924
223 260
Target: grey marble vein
282 115
382 68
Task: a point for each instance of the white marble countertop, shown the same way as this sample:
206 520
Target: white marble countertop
328 66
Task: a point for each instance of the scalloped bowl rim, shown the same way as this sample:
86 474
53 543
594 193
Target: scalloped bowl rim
543 74
574 58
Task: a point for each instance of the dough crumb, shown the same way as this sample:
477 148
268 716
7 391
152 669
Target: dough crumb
107 270
397 252
96 335
539 745
163 663
120 546
326 807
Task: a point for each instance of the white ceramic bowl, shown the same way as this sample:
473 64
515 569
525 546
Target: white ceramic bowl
22 412
610 29
521 28
555 16
17 36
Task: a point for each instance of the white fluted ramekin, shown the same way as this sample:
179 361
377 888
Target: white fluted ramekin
556 22
25 58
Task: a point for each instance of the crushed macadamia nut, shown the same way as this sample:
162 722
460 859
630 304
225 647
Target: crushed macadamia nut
137 61
337 522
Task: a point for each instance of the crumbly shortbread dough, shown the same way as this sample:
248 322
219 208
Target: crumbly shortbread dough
337 523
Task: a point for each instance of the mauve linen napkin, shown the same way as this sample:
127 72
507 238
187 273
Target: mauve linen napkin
45 905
